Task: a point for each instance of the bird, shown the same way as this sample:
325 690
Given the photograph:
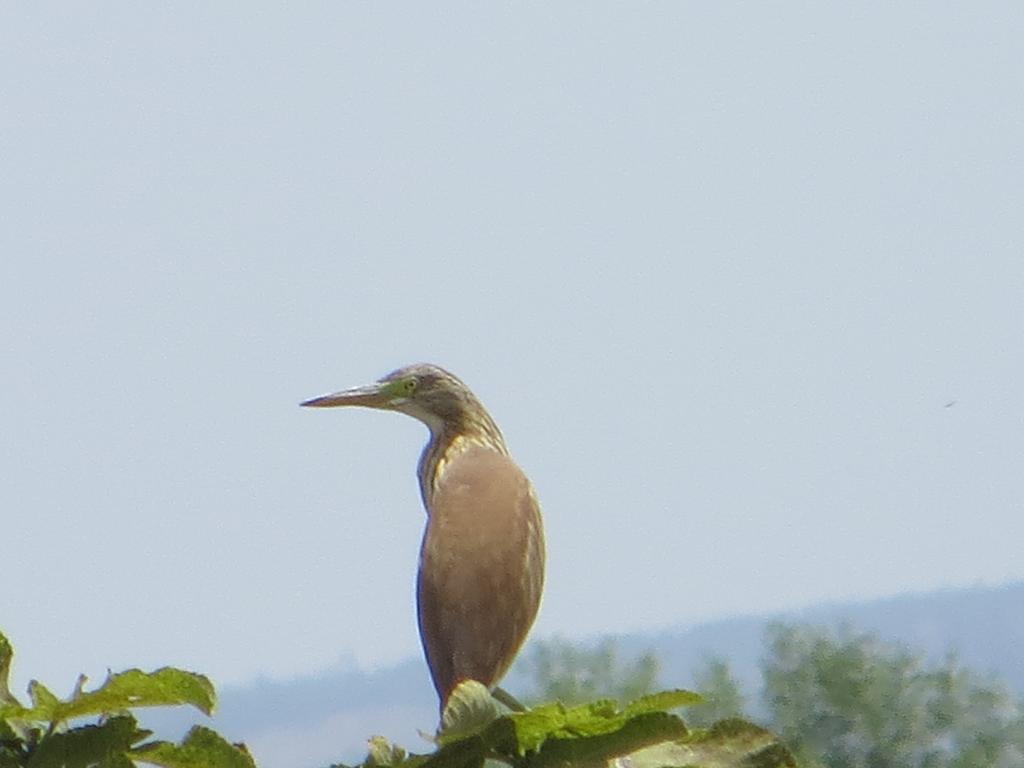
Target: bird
482 557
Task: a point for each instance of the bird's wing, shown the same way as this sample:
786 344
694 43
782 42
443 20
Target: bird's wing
481 569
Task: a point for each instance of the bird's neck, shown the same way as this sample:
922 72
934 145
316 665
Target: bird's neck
447 441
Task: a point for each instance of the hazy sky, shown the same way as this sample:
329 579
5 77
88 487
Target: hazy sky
717 270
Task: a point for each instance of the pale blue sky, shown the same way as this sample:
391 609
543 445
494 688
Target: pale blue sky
716 269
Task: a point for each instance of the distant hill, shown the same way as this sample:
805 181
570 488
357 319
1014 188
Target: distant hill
983 626
312 721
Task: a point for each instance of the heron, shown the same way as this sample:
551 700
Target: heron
481 565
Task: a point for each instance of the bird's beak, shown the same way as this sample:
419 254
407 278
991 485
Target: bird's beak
370 396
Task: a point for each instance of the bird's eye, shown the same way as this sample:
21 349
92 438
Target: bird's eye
410 385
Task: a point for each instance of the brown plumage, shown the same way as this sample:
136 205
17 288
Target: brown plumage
482 559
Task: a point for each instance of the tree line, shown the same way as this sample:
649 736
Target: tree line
837 698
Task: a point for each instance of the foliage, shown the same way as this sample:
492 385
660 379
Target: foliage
96 729
847 701
585 735
49 732
722 697
562 671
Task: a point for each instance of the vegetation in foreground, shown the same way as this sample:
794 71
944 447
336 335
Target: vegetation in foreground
643 733
97 729
835 698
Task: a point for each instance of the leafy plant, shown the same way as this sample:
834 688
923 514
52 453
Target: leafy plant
584 736
96 729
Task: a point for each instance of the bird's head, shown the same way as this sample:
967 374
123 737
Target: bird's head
425 392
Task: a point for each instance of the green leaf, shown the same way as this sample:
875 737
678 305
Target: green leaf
727 744
470 708
11 746
595 731
383 753
592 719
135 688
91 746
524 732
44 703
635 734
663 701
201 748
467 753
6 656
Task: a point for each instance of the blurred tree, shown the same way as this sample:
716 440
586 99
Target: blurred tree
722 695
837 699
852 701
572 674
